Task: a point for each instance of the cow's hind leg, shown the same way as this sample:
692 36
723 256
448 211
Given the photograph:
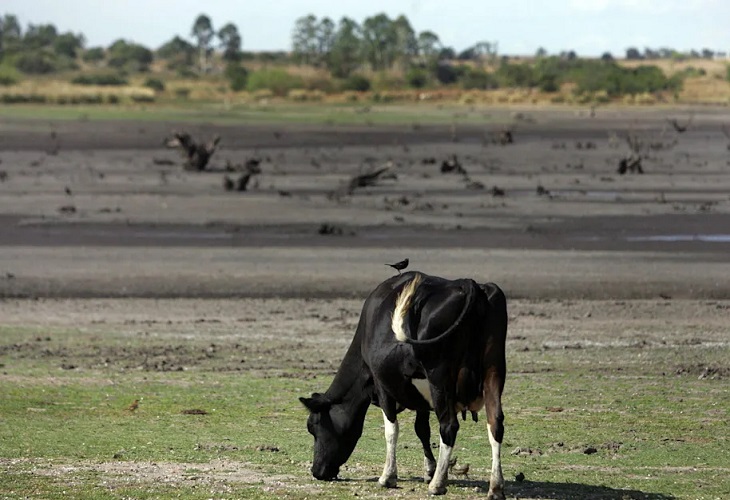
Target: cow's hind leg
423 431
389 479
495 428
448 428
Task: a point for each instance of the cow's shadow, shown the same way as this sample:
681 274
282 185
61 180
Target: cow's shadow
562 491
546 489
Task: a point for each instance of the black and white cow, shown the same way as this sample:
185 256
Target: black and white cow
423 343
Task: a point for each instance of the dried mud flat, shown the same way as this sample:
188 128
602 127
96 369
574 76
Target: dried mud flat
99 233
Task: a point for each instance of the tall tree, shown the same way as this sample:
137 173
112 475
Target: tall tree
10 33
345 56
230 42
325 39
203 32
379 41
305 39
39 35
178 52
406 44
68 44
429 46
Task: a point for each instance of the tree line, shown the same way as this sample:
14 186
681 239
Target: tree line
348 50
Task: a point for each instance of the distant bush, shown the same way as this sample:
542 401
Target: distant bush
278 81
446 73
103 79
94 55
142 98
22 98
237 76
516 75
356 83
477 79
182 93
417 78
727 75
8 75
37 62
302 95
155 84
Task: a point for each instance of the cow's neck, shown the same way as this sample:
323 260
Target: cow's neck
352 385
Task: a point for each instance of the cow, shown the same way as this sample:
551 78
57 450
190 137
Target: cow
422 343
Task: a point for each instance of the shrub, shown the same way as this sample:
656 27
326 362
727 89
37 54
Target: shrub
9 75
356 83
182 93
417 78
477 79
278 81
142 98
516 75
727 76
37 62
446 73
302 95
155 84
103 79
237 76
94 55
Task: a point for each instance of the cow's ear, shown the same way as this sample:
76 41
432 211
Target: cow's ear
317 403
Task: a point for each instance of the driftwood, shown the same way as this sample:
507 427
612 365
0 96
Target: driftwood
452 166
681 128
197 155
240 184
365 180
631 164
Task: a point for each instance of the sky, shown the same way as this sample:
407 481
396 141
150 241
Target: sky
589 27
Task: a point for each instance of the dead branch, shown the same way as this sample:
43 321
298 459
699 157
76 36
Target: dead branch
631 164
197 155
365 180
681 128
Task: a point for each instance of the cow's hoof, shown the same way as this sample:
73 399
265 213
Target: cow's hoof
495 495
388 482
438 490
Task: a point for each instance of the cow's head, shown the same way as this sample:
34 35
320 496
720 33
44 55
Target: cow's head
336 432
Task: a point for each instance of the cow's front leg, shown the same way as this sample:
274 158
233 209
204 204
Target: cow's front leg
448 428
389 479
423 431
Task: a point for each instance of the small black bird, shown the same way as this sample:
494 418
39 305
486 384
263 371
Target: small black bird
399 266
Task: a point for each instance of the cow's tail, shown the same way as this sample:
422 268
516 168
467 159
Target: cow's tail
402 306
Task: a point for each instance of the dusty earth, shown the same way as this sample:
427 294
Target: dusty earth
101 225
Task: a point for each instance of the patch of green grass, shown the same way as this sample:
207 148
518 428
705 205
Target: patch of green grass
68 432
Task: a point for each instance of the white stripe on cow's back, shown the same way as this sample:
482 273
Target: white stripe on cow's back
402 303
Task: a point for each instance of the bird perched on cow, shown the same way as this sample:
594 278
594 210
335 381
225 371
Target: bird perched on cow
399 266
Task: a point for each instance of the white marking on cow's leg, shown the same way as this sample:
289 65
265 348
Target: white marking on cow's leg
437 486
496 481
389 479
429 468
402 303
